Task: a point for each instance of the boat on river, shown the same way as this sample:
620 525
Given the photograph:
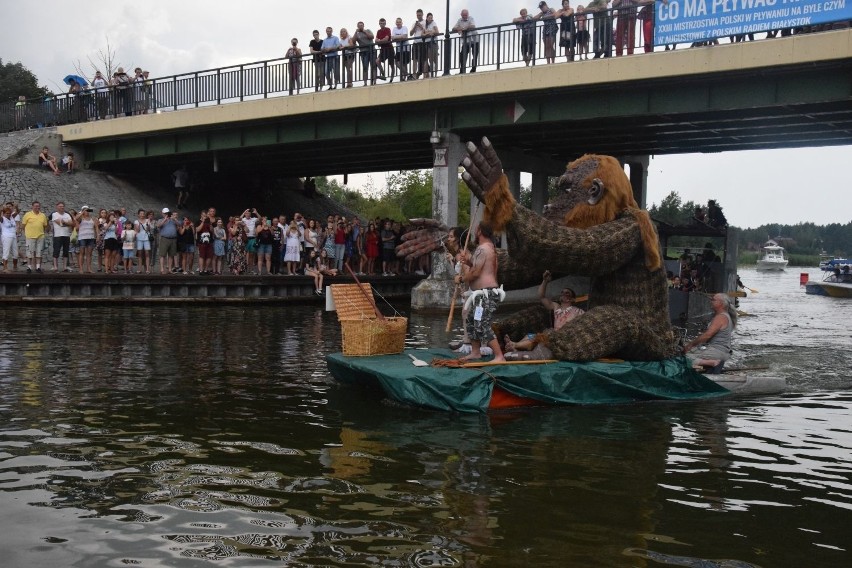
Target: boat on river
772 257
484 387
837 282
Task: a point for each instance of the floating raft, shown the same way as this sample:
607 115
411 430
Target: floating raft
495 387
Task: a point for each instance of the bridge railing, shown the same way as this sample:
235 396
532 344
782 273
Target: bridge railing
496 47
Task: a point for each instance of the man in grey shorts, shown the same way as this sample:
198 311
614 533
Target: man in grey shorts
167 243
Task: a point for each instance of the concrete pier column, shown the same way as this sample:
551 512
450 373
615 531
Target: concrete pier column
436 292
539 191
639 177
447 156
514 177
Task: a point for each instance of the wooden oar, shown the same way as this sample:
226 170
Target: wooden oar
458 286
452 309
706 370
736 369
489 363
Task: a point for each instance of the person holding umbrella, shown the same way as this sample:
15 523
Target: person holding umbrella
75 90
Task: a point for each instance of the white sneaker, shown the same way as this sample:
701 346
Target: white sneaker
486 351
464 349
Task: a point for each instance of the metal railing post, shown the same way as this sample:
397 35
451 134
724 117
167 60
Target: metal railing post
499 44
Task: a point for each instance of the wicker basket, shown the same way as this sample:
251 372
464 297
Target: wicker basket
373 336
363 333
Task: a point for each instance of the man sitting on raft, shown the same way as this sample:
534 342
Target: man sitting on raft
714 345
563 311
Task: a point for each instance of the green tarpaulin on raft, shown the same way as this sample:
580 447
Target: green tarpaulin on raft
469 390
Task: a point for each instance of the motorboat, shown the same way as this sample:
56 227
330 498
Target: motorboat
837 282
828 263
772 257
413 378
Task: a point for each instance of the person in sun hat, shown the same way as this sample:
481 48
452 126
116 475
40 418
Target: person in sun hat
167 245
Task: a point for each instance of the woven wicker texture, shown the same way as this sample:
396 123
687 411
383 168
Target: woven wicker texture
351 303
363 333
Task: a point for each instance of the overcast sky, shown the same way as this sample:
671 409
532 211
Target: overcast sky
169 37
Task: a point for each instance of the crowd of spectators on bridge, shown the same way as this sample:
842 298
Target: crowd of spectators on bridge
405 50
114 241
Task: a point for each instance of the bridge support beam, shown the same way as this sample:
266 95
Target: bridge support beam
436 292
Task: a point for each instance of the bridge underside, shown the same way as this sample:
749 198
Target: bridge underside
794 105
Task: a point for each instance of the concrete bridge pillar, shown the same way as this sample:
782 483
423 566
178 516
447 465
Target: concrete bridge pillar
539 191
638 177
436 292
514 177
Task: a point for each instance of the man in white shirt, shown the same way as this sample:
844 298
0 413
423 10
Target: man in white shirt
101 94
417 47
399 36
466 26
61 223
249 220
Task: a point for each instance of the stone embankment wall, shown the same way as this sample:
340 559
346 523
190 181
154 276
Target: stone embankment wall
22 181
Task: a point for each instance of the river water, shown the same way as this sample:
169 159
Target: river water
189 436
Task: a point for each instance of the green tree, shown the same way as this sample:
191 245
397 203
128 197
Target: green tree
17 80
670 209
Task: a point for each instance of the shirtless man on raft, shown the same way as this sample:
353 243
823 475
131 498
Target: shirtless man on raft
480 273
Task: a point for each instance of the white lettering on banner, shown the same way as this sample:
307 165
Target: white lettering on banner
680 21
668 11
692 8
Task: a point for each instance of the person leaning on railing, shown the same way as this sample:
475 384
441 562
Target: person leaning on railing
625 29
363 38
430 42
602 32
466 26
526 24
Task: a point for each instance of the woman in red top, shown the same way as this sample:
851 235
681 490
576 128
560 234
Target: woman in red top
372 240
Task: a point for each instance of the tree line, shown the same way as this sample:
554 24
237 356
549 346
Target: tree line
801 239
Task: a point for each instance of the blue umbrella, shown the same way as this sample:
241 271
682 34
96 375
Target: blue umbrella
80 81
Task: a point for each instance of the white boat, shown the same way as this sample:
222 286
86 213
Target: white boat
772 257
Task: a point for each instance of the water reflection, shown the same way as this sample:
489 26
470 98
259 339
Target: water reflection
165 436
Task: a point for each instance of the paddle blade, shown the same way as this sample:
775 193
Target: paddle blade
418 362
